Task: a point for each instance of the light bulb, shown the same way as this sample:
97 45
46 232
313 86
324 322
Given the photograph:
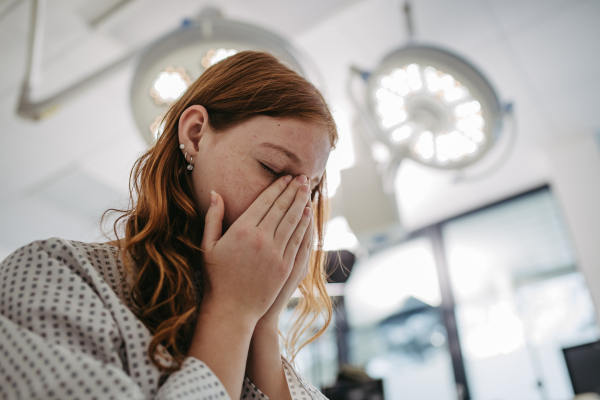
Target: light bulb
401 134
425 145
466 109
214 56
446 82
169 85
432 79
394 119
472 122
157 127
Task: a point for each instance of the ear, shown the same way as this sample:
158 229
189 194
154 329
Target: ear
193 124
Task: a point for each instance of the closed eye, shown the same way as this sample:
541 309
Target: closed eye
270 171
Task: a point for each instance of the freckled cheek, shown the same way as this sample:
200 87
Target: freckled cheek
241 195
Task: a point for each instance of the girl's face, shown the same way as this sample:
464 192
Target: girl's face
241 162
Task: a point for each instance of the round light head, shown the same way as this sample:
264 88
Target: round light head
169 66
433 107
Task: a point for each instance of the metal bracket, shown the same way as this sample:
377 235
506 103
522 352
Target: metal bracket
29 106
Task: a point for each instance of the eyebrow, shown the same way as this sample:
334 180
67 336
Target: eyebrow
285 151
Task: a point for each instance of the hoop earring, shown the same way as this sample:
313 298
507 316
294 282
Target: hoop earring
190 165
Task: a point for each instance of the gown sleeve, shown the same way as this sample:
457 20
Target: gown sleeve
61 339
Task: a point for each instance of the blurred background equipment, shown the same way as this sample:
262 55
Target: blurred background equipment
353 383
583 362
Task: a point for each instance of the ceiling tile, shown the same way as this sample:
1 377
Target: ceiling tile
517 15
459 24
63 27
373 28
81 195
83 58
26 219
512 87
113 160
576 110
12 58
561 54
18 18
72 133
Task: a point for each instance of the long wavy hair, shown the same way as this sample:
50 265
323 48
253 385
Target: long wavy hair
159 225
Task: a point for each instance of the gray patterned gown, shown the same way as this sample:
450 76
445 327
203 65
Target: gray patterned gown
66 332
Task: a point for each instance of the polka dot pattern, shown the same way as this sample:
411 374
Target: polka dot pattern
67 331
300 388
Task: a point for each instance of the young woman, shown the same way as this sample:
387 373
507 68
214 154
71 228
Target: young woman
225 211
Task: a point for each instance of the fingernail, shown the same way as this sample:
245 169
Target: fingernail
305 188
301 178
306 211
287 179
213 198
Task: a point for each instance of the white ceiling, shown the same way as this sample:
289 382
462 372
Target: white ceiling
57 175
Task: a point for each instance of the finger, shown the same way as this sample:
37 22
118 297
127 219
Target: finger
260 207
297 237
292 217
303 255
213 222
282 205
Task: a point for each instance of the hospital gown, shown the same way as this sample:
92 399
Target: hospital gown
67 332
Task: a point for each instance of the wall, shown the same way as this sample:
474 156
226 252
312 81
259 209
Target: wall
574 164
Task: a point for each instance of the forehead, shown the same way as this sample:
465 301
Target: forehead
300 144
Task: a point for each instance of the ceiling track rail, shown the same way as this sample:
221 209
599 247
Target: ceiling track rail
30 106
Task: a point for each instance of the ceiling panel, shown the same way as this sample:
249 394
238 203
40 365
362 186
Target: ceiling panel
74 132
578 109
80 194
461 25
561 54
496 64
518 15
373 28
26 219
12 59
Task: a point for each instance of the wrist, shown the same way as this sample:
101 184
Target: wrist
267 323
213 311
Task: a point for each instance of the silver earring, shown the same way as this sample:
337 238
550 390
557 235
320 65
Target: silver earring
190 166
182 146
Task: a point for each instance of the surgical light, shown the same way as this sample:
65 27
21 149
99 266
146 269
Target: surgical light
430 105
166 68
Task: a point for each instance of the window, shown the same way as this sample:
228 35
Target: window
519 298
498 286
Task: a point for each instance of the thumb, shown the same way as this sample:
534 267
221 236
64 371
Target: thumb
213 222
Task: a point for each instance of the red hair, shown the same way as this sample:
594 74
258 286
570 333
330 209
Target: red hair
159 223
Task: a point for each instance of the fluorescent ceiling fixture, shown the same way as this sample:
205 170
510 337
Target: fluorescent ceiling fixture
192 49
434 107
